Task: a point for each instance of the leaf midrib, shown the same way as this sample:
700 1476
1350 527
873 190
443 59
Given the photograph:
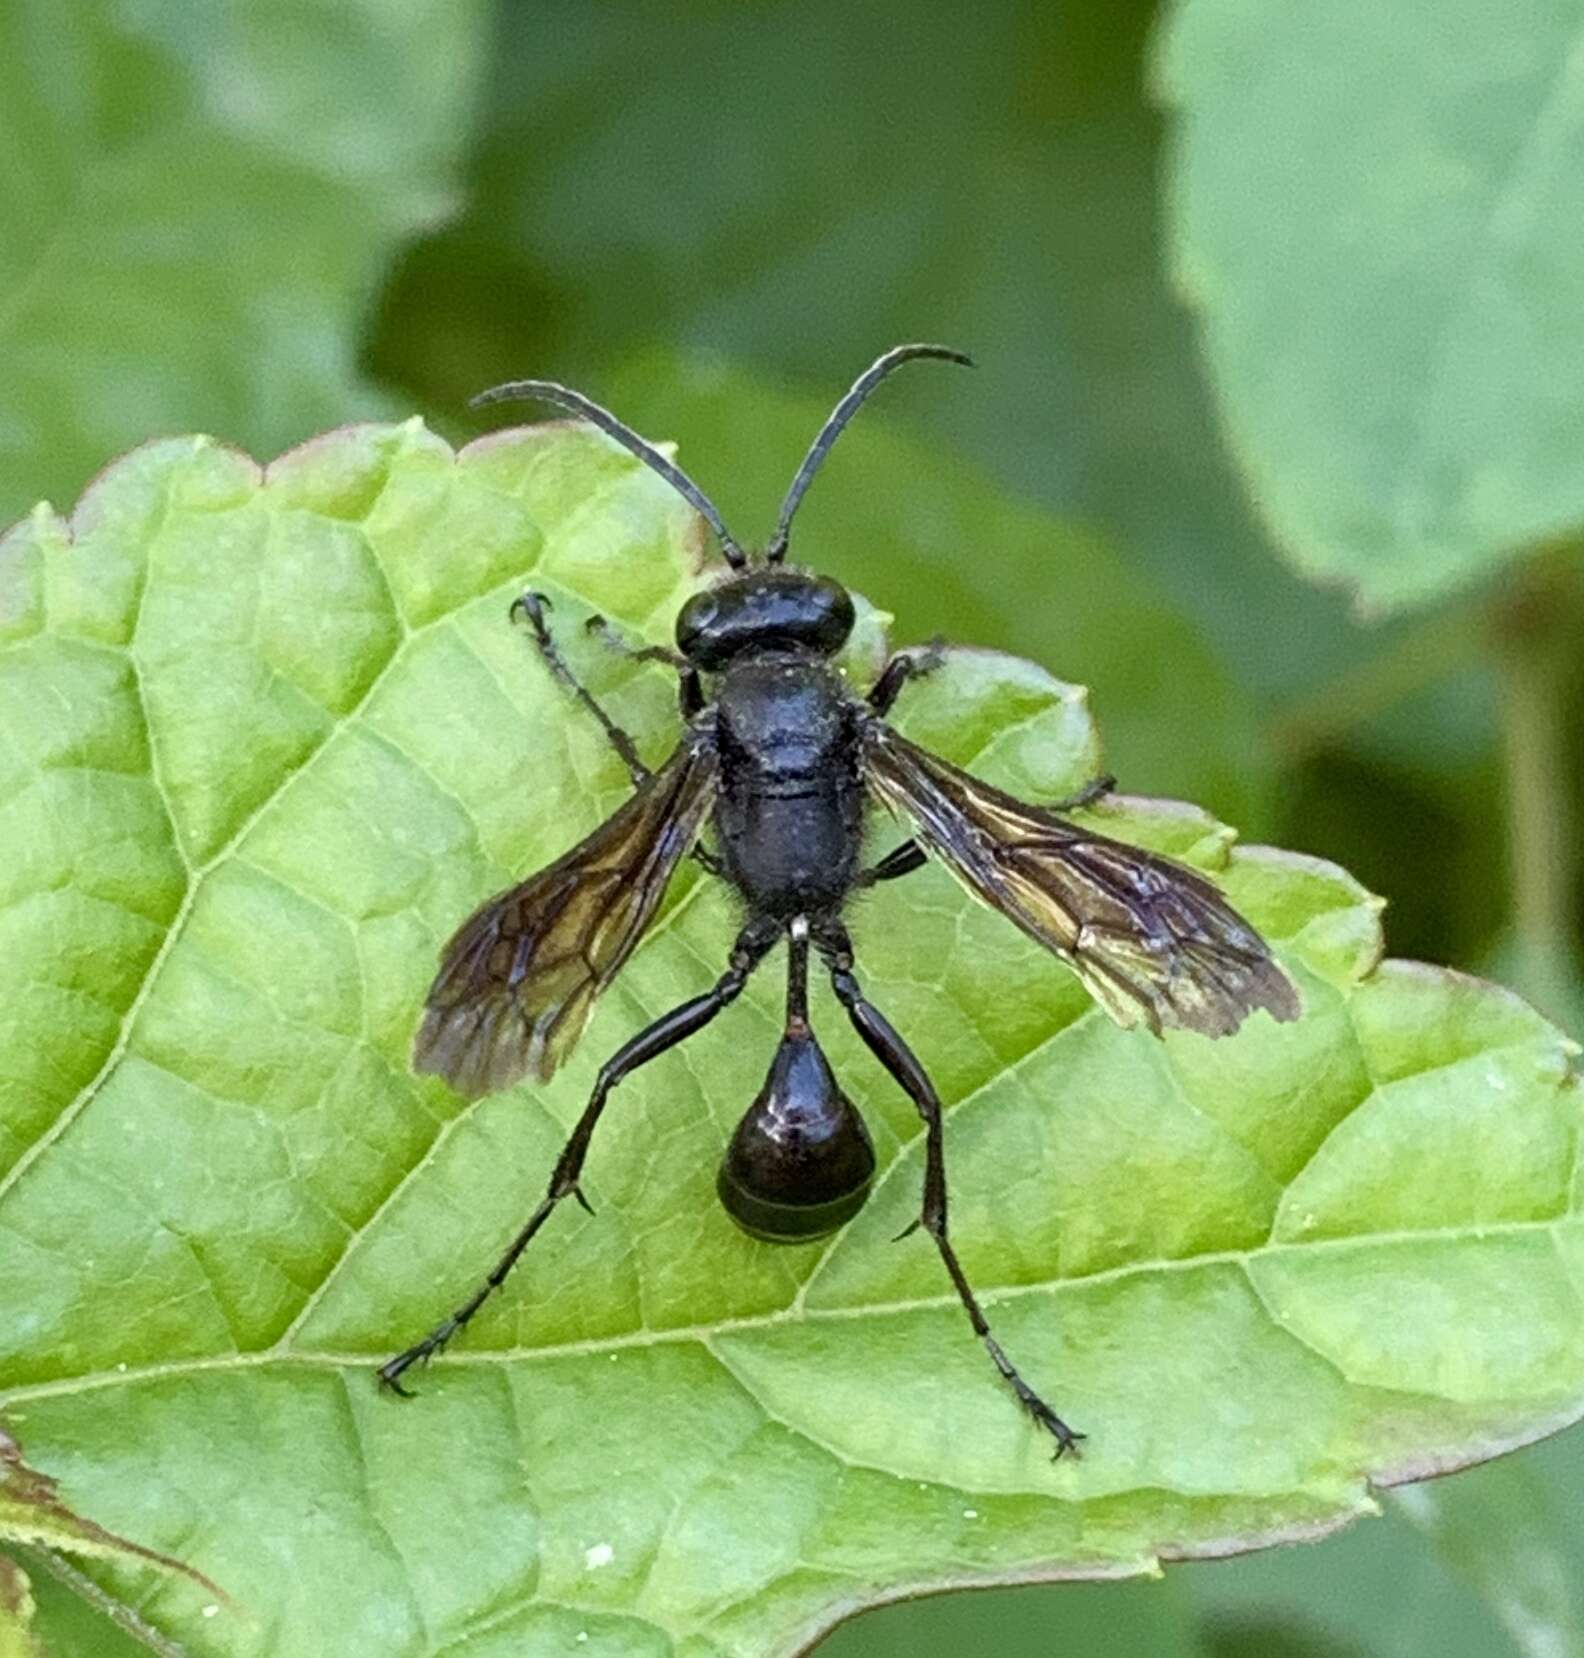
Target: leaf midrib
703 1334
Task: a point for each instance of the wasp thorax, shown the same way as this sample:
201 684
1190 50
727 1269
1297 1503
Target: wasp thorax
800 1161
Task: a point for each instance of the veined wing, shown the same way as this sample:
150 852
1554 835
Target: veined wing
1152 941
518 977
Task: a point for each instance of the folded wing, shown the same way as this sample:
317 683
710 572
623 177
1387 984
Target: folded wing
1153 942
519 976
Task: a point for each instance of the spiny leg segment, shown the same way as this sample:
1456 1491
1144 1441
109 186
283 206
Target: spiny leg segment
893 1053
753 942
532 607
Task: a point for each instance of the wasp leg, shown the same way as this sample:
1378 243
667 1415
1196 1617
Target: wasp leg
613 641
905 665
893 1053
753 942
900 860
690 690
904 859
532 606
1095 789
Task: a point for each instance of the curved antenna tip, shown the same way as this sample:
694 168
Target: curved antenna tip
947 353
838 418
496 394
563 397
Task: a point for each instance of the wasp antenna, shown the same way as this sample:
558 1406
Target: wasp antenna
548 391
839 416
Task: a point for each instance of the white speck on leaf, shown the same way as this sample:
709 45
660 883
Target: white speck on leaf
600 1555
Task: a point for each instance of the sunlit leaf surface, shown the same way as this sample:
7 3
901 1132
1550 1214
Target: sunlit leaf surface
267 738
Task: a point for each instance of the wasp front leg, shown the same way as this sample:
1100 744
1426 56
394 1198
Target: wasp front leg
905 665
533 607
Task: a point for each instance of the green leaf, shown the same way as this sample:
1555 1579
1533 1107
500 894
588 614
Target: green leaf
1375 210
17 1607
33 1516
198 201
267 737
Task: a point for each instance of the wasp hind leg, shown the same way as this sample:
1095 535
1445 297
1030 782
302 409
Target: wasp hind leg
893 1053
753 942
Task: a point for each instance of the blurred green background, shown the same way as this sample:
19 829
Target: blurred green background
261 220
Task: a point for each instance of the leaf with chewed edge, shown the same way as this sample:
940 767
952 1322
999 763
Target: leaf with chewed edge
266 737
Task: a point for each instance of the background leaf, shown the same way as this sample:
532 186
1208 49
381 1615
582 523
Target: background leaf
1018 221
17 1607
1375 213
219 939
198 205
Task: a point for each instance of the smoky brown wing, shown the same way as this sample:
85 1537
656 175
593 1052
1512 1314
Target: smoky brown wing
519 976
1152 941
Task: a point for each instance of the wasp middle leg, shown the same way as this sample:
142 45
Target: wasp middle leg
904 859
899 861
899 1059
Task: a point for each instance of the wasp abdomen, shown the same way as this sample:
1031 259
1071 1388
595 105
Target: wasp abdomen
800 1162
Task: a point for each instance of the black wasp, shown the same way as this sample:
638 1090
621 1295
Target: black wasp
784 760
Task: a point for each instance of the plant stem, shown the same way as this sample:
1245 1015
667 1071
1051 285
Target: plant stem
1532 628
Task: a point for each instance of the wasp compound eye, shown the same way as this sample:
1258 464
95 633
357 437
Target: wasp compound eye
800 1163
